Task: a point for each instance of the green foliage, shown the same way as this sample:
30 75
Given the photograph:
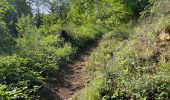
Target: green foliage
134 66
21 7
5 7
45 51
40 50
81 36
6 40
81 11
38 57
50 25
8 15
17 78
112 11
137 6
108 11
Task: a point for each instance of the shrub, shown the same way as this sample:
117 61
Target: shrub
17 79
82 35
37 58
46 52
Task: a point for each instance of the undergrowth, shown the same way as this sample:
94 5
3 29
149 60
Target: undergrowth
38 55
132 62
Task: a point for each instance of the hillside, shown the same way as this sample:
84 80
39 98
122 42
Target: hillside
84 49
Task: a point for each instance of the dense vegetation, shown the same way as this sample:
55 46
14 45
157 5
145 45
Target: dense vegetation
38 37
132 61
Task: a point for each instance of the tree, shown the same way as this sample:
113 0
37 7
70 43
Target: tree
22 7
8 15
39 7
6 41
105 10
112 11
60 8
82 11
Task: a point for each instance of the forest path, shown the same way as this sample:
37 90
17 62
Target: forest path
70 77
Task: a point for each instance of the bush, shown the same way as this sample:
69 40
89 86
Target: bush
45 51
37 58
17 79
82 35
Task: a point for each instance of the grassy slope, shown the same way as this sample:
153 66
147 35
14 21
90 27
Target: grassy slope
131 62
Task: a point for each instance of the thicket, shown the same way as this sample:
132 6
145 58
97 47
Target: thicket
132 62
35 44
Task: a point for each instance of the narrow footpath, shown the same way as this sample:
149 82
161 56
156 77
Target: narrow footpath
70 78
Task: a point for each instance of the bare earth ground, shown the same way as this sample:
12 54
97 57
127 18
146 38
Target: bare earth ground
70 77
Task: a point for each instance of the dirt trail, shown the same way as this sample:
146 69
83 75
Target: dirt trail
70 78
